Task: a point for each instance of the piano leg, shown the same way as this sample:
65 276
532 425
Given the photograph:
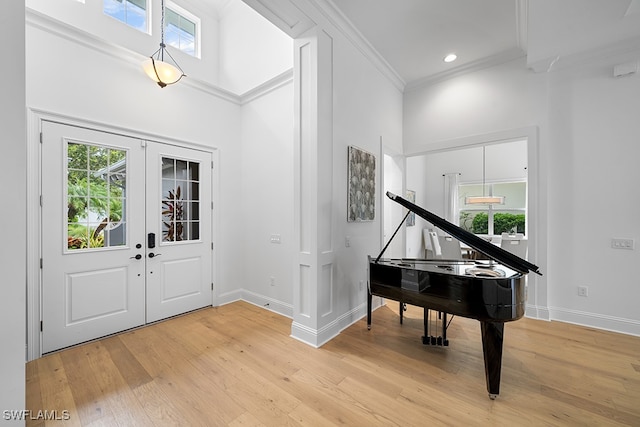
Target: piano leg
445 341
369 297
401 311
492 339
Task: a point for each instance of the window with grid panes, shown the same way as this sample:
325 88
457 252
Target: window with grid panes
181 30
131 12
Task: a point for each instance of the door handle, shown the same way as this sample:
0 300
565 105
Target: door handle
138 256
151 255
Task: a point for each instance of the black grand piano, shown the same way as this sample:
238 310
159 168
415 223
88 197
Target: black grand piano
491 291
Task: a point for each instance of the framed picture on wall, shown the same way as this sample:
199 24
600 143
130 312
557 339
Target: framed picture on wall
361 204
411 219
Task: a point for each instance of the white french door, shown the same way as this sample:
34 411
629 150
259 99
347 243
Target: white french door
126 233
179 221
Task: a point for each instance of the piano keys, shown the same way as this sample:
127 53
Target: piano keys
490 291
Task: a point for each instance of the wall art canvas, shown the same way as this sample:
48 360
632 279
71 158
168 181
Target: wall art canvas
362 185
411 219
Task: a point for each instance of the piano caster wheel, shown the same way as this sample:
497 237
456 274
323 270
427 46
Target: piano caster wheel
492 396
368 327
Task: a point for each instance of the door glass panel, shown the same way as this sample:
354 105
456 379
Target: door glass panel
168 168
180 211
194 173
96 196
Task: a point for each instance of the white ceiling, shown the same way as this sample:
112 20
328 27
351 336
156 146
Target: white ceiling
414 35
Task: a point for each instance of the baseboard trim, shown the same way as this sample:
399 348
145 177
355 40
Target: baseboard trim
597 321
318 337
267 303
537 312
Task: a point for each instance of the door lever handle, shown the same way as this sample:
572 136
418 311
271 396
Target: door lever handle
151 255
138 256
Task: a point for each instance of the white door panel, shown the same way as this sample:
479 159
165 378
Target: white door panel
179 216
92 283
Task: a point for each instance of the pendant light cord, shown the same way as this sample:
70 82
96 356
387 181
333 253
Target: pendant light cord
162 45
484 165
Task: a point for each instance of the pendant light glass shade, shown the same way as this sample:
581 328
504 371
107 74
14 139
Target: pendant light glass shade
162 72
157 68
484 200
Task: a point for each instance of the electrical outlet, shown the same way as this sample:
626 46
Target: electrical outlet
583 291
272 281
622 244
361 284
275 238
347 241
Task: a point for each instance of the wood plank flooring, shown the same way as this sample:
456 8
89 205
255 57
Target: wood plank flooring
236 365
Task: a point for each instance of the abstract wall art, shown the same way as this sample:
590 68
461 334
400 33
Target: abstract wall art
362 185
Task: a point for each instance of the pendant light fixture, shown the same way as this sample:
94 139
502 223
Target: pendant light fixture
484 199
157 68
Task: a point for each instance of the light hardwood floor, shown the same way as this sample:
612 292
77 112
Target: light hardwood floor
236 365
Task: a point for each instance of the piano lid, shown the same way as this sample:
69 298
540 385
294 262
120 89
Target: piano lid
490 250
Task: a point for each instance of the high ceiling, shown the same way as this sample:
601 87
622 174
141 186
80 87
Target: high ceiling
414 35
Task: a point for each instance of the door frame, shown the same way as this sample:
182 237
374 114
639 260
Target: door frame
35 117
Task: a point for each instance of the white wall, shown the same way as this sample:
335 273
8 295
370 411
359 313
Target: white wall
588 132
252 50
485 102
88 16
393 181
593 149
417 180
266 186
366 108
13 171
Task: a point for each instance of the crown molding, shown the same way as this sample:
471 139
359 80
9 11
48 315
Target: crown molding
267 87
561 62
470 67
63 30
133 59
285 15
335 16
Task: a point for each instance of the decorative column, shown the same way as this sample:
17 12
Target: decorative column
313 284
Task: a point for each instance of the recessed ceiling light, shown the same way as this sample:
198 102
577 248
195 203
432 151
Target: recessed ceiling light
450 58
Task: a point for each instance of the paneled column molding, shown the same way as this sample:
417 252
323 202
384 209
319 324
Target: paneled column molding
313 280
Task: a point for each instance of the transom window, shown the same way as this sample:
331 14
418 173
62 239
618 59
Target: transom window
494 219
181 30
131 12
